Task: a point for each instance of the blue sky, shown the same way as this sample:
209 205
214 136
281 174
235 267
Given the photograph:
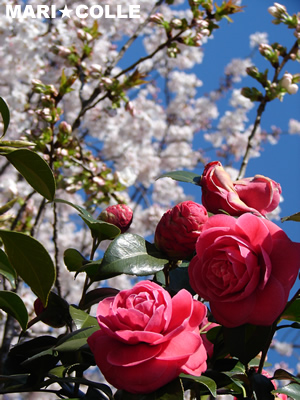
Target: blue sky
280 162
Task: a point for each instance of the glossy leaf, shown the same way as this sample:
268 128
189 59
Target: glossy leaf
246 341
31 261
99 229
209 383
130 254
292 312
292 390
74 260
4 111
75 340
6 269
82 319
12 304
281 374
96 295
35 170
293 217
182 176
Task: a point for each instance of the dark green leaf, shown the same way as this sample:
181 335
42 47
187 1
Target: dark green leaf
11 303
96 295
285 375
6 269
130 254
35 170
182 176
262 386
75 340
99 229
246 341
74 260
4 111
209 383
293 217
31 261
292 312
82 319
292 390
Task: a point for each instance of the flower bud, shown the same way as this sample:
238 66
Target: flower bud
65 128
119 215
56 314
179 228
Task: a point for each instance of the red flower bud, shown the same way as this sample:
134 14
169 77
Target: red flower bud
179 228
119 215
56 314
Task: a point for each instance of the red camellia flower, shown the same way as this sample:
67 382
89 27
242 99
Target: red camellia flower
259 195
148 338
119 215
179 228
245 267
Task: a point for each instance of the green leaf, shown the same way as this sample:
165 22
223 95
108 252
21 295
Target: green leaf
7 270
209 383
74 260
35 170
246 341
292 390
130 254
82 319
75 340
182 176
281 374
31 261
99 229
292 311
96 295
4 111
11 303
293 217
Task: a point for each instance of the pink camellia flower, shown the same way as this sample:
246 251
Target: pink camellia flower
119 215
259 192
258 195
148 338
204 328
179 228
245 267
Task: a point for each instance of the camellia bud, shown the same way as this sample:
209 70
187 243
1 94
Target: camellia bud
119 215
179 228
56 314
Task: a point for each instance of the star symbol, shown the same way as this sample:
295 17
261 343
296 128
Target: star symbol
65 12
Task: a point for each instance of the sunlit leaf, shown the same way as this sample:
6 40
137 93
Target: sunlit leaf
292 312
82 319
182 176
293 217
35 170
75 340
12 304
99 229
209 383
130 254
31 261
292 390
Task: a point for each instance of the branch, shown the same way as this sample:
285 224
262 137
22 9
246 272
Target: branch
261 109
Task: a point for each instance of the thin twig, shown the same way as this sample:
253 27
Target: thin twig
261 109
